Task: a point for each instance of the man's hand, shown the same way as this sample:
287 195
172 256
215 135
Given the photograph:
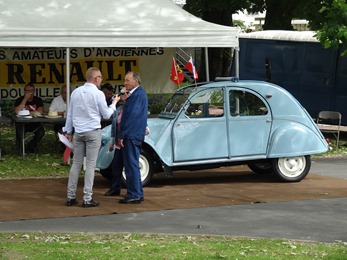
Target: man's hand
27 97
120 143
116 98
68 136
147 130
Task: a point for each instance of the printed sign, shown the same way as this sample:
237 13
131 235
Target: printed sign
46 68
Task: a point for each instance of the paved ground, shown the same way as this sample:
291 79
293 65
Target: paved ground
315 219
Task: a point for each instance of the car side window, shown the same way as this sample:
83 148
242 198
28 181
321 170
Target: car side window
244 103
207 103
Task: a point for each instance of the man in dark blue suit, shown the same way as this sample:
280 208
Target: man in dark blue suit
131 136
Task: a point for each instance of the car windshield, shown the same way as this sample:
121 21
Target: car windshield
177 101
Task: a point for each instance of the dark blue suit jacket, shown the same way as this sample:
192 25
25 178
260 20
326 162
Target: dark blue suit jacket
134 117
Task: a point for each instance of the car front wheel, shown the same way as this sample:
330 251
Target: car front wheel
146 168
292 169
107 173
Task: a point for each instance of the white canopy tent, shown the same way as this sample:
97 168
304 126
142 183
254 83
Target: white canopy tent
112 23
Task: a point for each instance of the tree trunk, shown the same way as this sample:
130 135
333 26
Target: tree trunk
279 14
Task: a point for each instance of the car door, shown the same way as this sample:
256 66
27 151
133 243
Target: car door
249 123
200 133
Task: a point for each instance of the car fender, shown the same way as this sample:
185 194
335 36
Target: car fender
295 139
157 129
159 138
105 157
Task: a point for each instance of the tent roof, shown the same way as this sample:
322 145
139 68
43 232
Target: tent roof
101 23
296 36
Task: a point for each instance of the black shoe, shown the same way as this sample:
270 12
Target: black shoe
111 192
71 202
90 203
131 201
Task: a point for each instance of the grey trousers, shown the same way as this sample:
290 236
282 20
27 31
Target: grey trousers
85 144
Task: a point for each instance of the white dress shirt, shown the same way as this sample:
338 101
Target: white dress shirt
58 104
87 108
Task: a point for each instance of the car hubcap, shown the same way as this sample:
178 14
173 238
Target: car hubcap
144 168
292 166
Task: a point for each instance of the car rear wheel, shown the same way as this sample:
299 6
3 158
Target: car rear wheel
261 167
292 169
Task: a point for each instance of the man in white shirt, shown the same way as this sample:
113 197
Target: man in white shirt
87 108
59 104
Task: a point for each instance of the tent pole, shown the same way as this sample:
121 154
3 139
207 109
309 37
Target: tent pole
237 65
67 78
207 67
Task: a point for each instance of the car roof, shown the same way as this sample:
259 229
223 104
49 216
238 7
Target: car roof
279 99
259 86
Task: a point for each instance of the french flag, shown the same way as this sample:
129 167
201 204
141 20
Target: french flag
190 66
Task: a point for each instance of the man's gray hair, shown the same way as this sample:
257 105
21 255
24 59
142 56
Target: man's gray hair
136 76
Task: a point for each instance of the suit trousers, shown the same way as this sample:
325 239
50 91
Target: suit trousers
117 170
85 144
131 156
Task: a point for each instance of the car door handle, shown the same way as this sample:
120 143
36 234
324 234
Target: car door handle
179 124
269 120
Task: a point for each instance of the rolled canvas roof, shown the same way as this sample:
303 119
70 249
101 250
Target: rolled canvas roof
297 36
101 23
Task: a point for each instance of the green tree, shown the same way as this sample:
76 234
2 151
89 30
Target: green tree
331 26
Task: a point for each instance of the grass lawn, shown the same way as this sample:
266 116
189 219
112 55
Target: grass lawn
47 163
150 246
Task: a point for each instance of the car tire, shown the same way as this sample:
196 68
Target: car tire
292 169
263 167
107 173
146 168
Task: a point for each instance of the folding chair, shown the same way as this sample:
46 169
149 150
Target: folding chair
333 120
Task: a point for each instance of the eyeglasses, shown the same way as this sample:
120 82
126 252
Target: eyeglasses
123 93
99 77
